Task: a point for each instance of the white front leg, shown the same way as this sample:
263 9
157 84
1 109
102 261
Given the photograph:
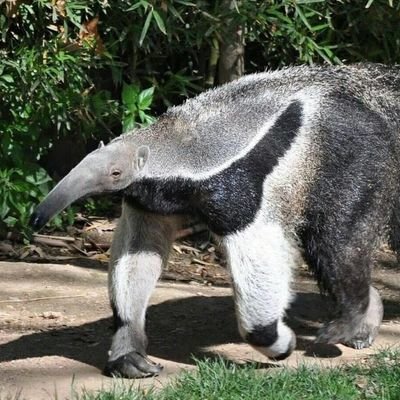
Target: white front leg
261 259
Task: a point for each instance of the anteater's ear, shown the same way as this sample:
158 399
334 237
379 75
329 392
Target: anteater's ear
142 155
101 144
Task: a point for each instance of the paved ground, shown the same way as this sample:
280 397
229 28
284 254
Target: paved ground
55 327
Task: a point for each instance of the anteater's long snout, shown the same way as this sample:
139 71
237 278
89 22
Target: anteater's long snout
73 187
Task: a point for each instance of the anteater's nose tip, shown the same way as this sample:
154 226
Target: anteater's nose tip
36 221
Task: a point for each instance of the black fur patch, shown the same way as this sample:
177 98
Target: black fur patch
283 356
394 232
117 320
263 335
229 200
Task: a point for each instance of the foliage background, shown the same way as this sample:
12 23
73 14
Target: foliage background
74 72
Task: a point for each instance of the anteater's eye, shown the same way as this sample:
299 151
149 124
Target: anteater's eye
116 173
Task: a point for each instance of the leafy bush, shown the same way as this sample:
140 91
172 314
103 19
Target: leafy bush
46 93
19 192
14 187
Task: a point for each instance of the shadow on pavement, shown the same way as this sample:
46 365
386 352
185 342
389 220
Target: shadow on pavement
177 330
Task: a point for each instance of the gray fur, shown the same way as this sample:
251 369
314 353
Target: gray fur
302 161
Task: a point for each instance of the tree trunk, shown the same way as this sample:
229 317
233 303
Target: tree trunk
212 63
231 60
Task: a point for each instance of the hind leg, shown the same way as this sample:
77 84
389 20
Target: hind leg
341 258
260 259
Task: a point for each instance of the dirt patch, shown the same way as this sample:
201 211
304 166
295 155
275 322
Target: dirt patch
55 326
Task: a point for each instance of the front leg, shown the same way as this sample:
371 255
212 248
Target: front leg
140 249
260 258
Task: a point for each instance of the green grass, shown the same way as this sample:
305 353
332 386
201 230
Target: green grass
221 380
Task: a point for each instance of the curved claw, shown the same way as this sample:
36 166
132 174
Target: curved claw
132 365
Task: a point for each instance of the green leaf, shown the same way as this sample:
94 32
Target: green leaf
128 123
317 28
146 98
186 3
303 18
70 215
30 179
145 27
175 13
137 5
149 119
159 22
4 210
7 78
320 51
10 221
142 115
130 94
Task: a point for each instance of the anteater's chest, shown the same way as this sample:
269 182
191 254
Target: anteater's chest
226 202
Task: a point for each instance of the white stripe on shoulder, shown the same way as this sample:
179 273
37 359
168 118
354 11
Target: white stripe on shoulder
309 100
